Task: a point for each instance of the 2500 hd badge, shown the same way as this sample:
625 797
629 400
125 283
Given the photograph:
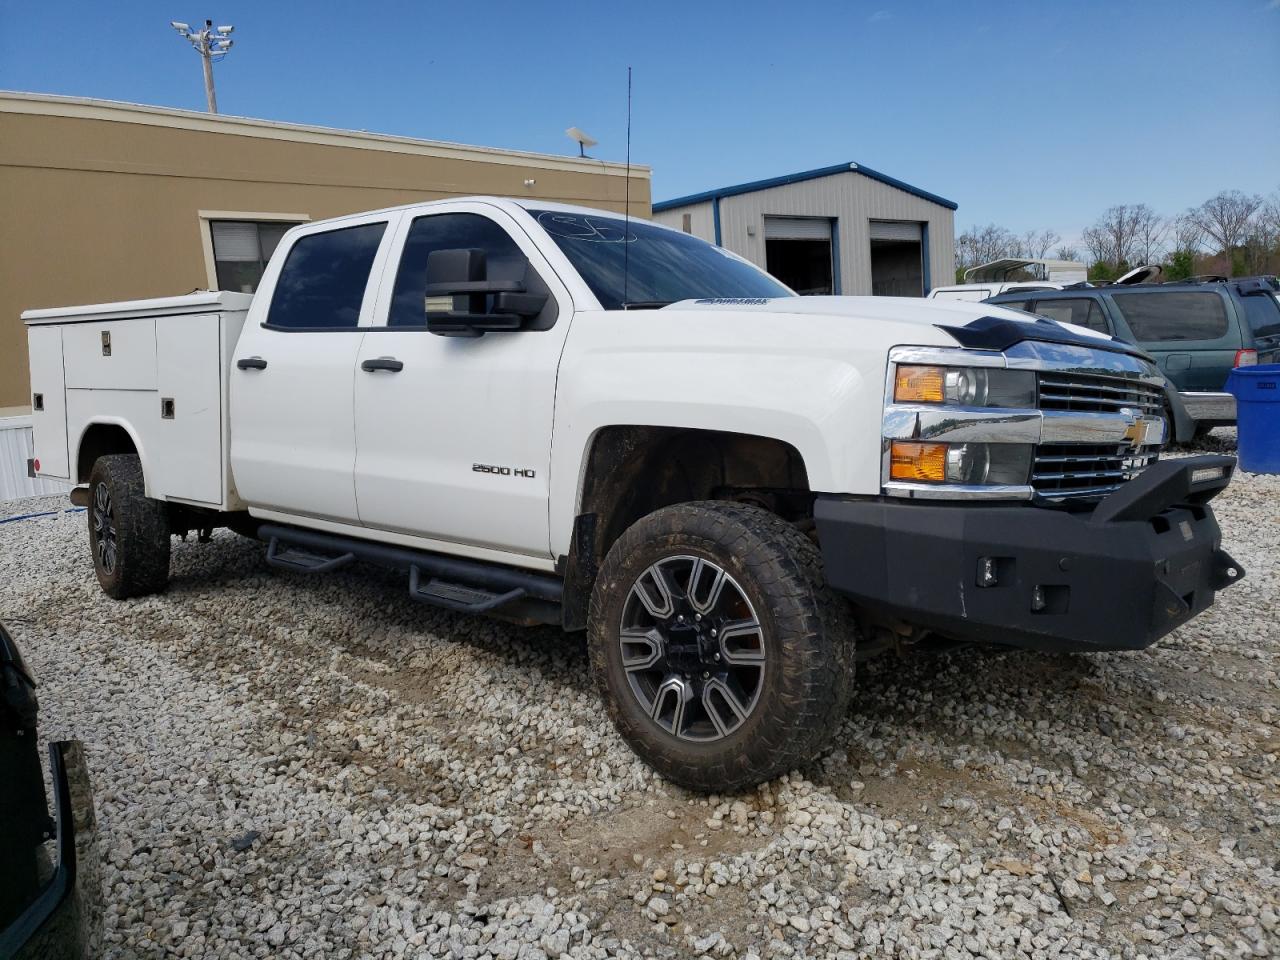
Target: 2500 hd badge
503 471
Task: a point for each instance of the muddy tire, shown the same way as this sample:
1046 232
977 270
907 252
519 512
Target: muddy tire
129 535
723 657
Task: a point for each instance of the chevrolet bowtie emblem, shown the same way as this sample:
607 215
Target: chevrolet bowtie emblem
1136 432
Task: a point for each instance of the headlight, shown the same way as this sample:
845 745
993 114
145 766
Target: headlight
1004 464
964 386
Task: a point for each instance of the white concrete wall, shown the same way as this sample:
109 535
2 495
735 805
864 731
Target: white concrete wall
15 448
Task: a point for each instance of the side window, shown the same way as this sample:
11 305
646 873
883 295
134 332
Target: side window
1263 313
1082 311
1015 304
504 260
1161 317
323 281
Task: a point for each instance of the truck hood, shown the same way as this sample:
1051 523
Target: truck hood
979 326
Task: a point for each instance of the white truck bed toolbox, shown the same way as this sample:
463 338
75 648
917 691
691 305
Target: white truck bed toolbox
154 369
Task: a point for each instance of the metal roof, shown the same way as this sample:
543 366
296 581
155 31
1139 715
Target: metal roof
755 185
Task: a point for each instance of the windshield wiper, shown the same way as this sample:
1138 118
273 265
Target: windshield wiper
646 304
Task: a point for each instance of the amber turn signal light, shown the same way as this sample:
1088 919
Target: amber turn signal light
918 385
918 461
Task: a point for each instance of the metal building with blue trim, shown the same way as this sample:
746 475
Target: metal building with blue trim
839 229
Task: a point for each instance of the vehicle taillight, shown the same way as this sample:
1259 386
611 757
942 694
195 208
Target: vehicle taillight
36 463
1246 358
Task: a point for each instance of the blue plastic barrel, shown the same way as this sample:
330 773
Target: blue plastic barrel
1257 393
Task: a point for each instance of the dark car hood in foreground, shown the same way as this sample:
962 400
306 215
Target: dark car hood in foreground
48 910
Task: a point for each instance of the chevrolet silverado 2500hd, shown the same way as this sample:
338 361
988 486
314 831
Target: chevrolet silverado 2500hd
558 415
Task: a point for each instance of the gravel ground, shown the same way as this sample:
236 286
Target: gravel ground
294 767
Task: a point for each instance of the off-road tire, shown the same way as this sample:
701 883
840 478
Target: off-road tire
809 637
141 530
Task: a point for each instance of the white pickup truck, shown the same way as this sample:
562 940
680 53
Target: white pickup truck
557 415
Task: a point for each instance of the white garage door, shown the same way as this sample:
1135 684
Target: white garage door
895 230
797 228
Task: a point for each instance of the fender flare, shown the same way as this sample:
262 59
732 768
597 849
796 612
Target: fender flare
111 421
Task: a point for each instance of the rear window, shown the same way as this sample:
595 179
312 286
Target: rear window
322 283
1081 311
1161 317
1263 313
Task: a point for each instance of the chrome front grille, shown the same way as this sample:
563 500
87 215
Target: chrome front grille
1087 469
1089 394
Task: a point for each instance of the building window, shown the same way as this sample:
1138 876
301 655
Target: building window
241 249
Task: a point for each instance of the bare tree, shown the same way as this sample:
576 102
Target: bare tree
1185 241
1098 243
1067 252
1114 238
1226 218
983 244
1150 230
1187 236
1262 237
1035 245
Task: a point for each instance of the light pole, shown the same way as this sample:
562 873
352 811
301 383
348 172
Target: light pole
212 44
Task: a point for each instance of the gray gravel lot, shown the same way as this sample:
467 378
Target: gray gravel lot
294 767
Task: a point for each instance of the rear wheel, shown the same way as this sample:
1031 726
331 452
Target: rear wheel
724 658
128 532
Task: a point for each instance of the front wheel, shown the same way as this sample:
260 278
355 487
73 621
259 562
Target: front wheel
724 658
129 533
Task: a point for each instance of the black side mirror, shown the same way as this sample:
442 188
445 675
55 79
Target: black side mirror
462 302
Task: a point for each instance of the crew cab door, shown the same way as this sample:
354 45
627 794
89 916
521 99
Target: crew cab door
453 434
293 443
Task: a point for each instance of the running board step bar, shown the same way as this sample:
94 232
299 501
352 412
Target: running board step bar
454 596
455 583
302 560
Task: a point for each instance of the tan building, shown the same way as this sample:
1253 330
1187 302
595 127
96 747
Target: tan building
104 201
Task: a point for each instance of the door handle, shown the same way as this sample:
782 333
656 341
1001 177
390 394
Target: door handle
251 363
390 364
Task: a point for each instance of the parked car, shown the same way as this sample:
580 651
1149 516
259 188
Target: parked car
1054 274
1009 274
982 291
50 906
1196 330
742 481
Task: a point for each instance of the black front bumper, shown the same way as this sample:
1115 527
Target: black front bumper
1117 577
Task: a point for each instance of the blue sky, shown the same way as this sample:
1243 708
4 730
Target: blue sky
1032 115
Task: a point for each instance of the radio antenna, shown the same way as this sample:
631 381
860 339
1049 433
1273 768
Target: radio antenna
626 216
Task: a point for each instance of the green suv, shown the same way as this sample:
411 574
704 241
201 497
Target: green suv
1197 330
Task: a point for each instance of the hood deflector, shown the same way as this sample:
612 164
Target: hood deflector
1001 333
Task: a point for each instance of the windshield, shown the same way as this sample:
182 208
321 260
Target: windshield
661 266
